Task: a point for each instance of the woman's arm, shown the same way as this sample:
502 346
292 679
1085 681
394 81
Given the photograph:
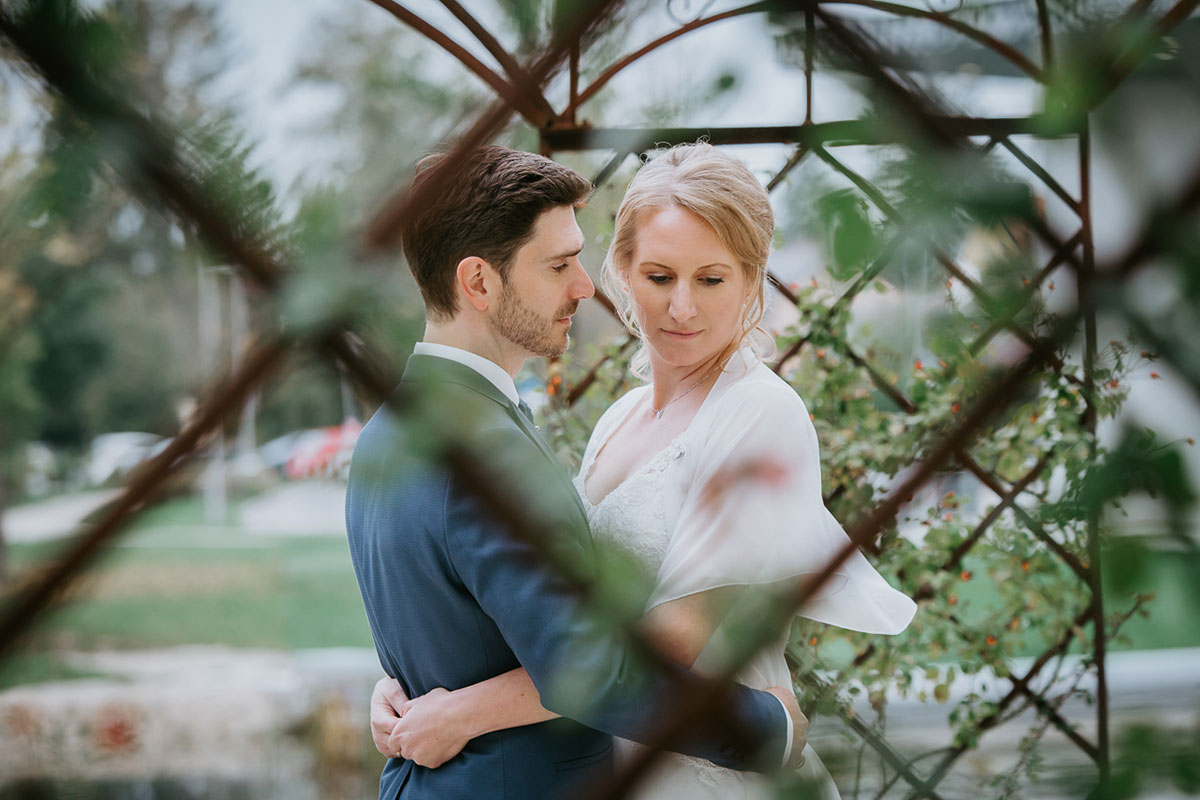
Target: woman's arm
435 727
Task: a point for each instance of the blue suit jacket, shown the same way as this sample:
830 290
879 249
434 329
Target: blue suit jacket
453 598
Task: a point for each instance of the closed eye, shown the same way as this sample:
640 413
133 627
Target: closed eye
559 267
712 281
659 279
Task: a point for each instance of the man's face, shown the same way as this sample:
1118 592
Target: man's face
545 283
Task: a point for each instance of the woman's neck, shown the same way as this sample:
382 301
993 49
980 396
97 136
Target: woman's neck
671 382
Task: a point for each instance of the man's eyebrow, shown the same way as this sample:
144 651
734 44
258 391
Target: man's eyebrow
562 256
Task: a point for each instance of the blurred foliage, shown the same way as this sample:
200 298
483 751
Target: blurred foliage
97 311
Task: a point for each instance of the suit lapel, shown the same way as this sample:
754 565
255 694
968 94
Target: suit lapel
431 368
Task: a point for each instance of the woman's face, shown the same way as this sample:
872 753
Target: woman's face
688 290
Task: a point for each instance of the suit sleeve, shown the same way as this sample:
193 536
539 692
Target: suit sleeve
584 668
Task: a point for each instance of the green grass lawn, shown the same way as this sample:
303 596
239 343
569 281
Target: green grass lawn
172 580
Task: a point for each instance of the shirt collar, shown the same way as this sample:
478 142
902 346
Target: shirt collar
493 372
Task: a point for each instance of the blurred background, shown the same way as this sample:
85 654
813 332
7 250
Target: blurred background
218 648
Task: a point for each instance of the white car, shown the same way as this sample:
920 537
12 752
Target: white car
112 455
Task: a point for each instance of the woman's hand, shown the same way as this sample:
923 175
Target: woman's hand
386 702
432 728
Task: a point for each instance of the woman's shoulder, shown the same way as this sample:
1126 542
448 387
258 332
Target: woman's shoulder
761 392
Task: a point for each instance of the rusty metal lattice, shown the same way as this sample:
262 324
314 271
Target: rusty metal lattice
158 169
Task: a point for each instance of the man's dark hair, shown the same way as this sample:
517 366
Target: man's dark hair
486 209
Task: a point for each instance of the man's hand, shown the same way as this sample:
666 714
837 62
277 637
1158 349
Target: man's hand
799 725
432 729
386 701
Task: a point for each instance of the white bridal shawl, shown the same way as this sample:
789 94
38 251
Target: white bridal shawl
745 479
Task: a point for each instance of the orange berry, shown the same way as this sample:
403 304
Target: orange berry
942 363
954 408
1114 383
1025 566
919 365
551 390
1190 440
966 575
820 352
991 640
1052 286
813 641
1033 417
952 599
1155 375
814 283
949 283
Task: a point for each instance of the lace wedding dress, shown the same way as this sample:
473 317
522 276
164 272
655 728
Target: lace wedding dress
735 500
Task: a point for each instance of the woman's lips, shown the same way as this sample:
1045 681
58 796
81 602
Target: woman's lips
682 335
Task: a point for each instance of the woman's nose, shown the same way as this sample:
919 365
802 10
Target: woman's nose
683 306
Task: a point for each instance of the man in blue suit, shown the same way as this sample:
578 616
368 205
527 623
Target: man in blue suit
455 597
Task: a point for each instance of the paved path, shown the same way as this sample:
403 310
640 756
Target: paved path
55 518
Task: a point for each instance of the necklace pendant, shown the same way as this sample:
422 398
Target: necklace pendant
658 412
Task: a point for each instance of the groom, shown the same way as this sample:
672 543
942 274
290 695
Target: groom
453 595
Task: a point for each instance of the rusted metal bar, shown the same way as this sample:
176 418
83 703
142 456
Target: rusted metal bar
989 480
1094 577
890 755
585 383
797 157
1000 323
223 401
608 74
1006 51
989 721
1040 171
383 230
858 132
611 167
1006 499
518 99
1047 36
810 49
520 78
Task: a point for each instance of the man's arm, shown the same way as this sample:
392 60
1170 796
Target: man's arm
586 670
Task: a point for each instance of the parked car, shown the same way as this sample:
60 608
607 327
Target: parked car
112 455
314 452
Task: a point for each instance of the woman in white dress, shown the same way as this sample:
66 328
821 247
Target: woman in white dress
708 476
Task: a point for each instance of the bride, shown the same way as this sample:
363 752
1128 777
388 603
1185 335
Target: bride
708 476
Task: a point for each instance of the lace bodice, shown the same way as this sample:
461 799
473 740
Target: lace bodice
633 516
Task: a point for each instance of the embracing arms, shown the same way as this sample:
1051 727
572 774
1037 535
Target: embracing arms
433 728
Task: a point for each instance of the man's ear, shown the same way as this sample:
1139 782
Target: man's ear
473 277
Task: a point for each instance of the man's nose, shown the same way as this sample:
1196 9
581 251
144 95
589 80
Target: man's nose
582 287
683 306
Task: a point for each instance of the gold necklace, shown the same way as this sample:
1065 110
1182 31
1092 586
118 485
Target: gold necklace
658 412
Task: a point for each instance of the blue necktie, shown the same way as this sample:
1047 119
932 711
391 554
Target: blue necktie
524 408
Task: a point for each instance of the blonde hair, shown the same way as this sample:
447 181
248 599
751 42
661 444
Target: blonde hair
721 191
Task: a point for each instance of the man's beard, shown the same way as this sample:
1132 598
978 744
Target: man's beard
524 327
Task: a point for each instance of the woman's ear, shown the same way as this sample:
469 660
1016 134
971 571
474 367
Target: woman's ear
471 282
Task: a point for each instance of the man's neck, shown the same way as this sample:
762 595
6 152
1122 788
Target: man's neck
482 343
